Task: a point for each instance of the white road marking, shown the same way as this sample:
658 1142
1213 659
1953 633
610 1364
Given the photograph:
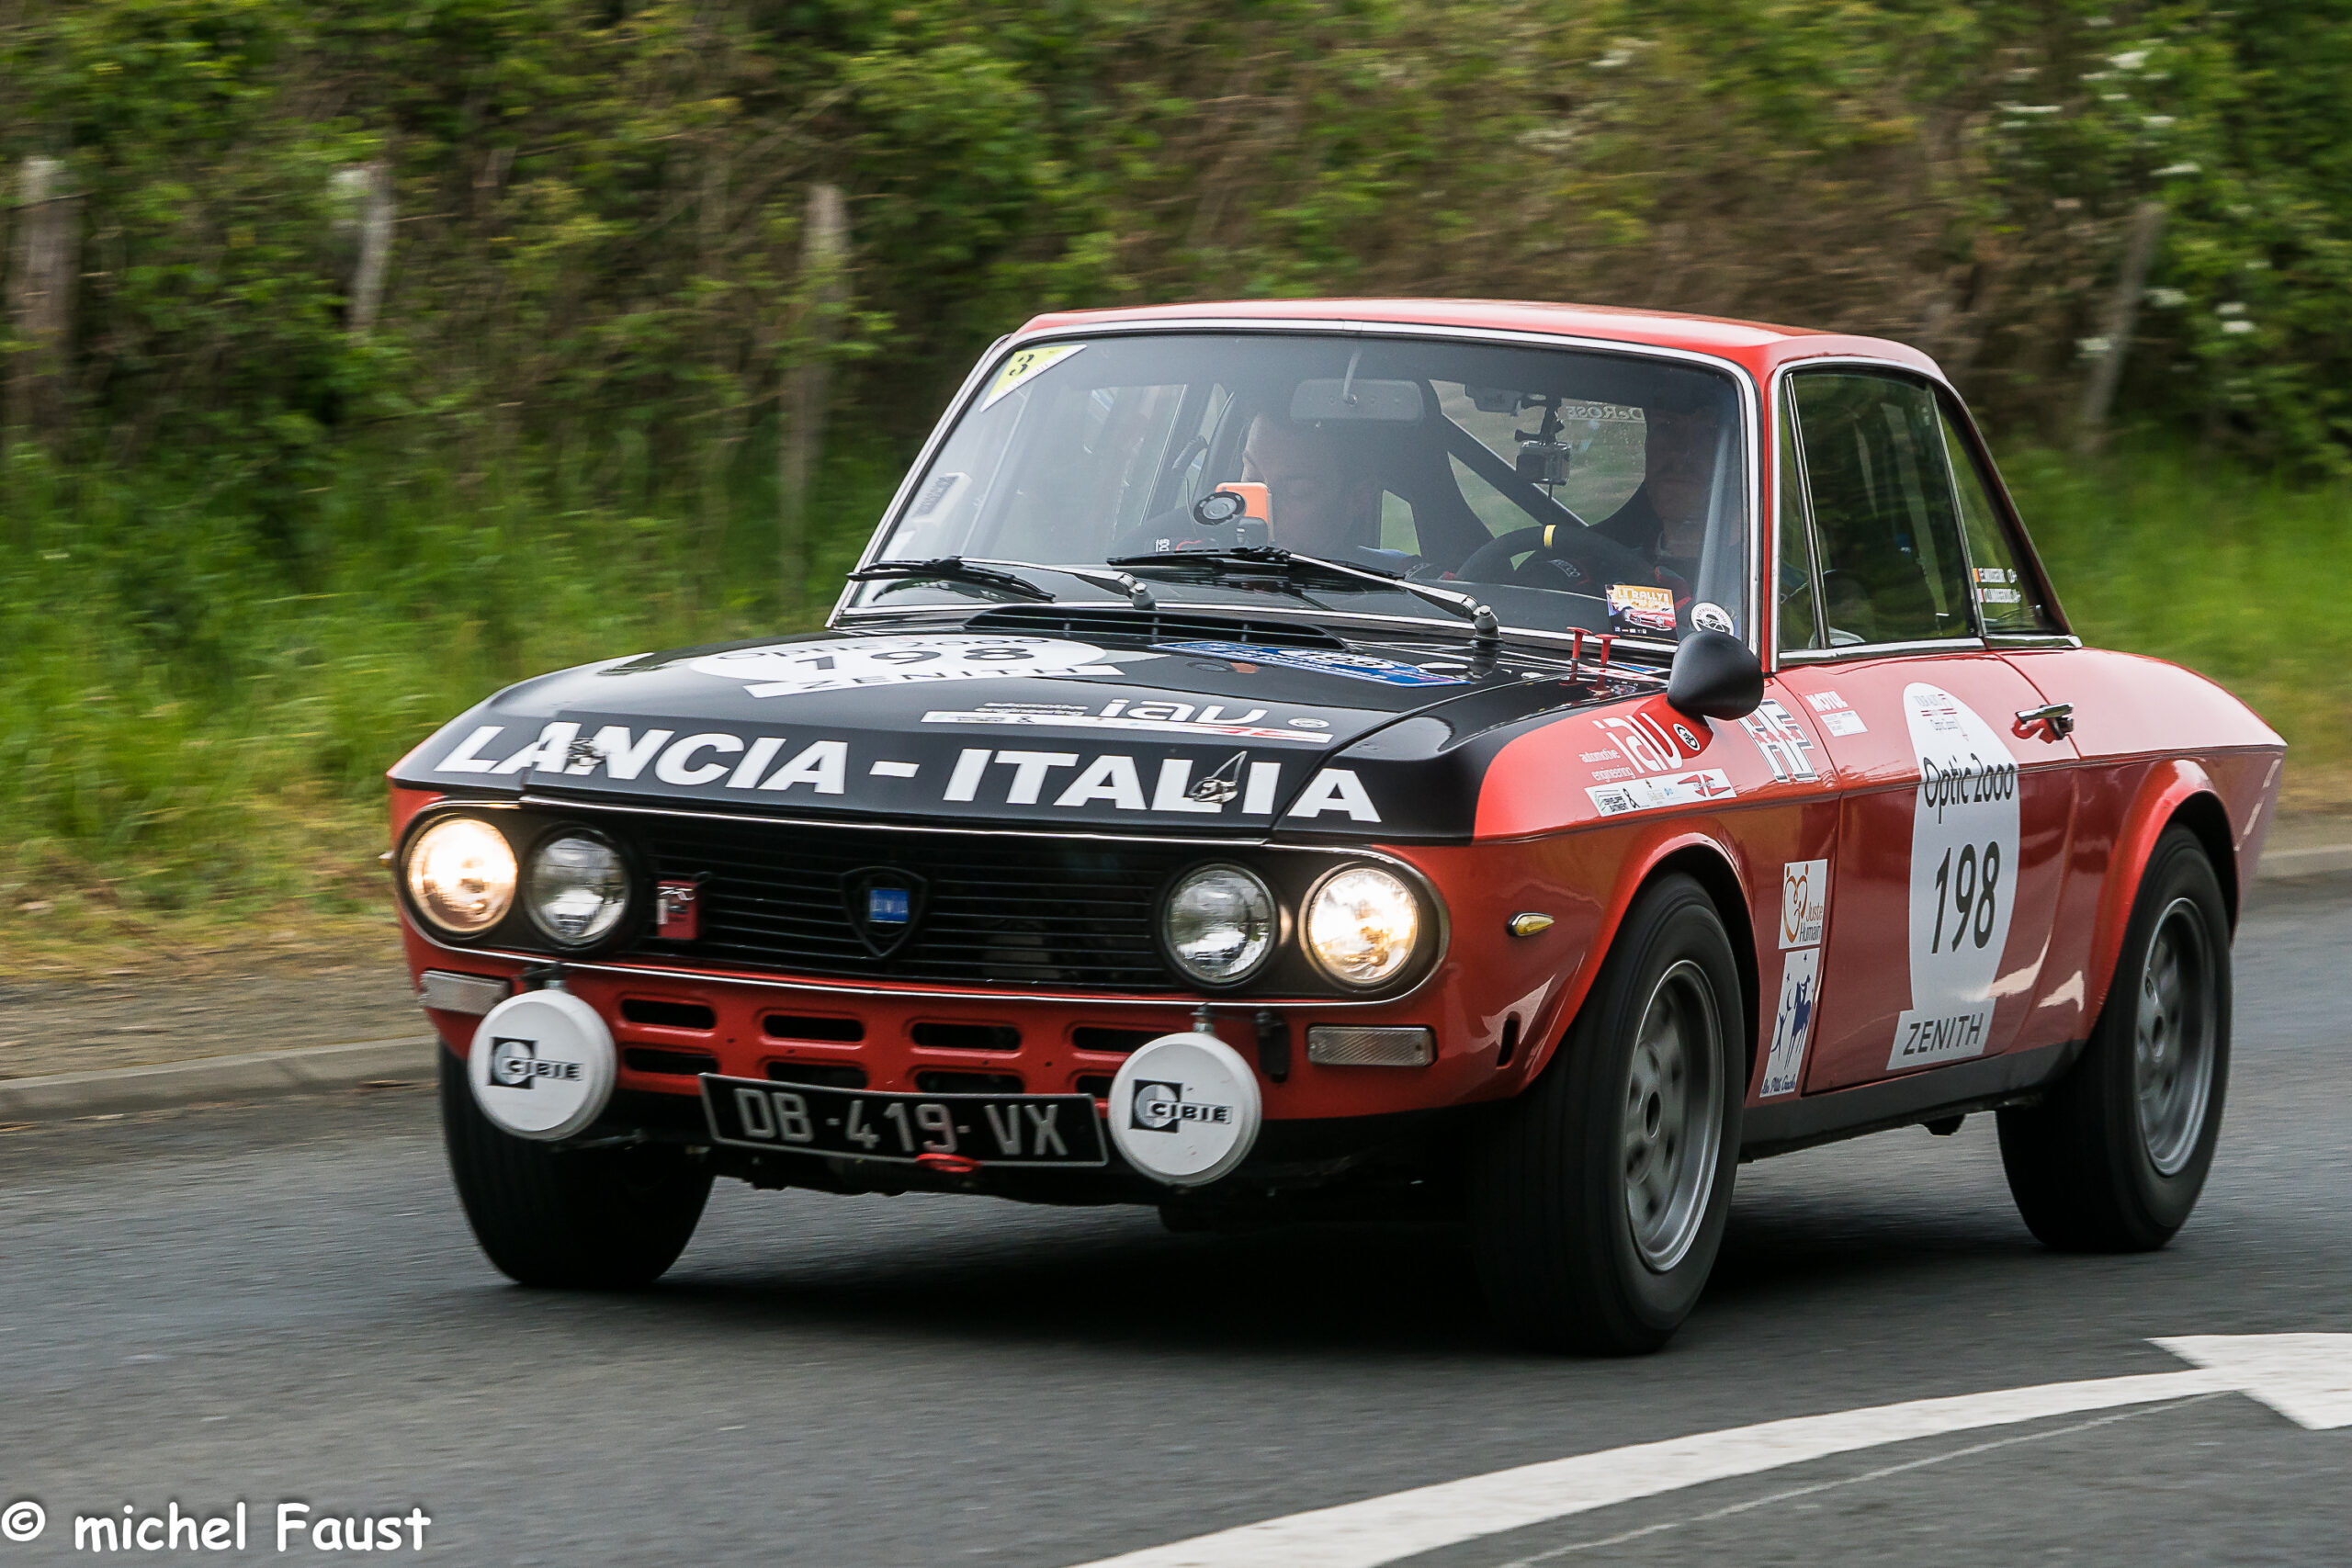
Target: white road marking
2305 1376
1790 1493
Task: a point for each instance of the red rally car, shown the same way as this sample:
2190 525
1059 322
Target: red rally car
1510 761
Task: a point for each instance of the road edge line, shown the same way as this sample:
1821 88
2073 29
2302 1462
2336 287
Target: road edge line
253 1075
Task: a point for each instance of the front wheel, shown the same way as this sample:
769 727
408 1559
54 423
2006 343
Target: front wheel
2113 1158
1598 1198
582 1219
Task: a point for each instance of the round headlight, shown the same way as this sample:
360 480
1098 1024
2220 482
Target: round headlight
461 875
578 888
1221 924
1362 924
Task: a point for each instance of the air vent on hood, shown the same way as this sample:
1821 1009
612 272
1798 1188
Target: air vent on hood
1147 625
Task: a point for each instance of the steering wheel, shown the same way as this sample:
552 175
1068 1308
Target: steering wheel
1597 558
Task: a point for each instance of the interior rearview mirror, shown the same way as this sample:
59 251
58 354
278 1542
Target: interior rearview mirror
1714 676
1387 402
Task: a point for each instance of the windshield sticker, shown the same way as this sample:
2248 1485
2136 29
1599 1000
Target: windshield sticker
1356 666
795 669
1993 585
1711 618
1787 749
1963 876
1639 604
1026 366
1215 720
1642 794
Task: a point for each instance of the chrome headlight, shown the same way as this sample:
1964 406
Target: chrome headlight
461 875
1362 925
577 888
1221 924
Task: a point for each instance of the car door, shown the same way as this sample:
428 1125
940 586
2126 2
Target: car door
1951 830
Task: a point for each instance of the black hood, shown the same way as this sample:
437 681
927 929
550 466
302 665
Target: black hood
1116 722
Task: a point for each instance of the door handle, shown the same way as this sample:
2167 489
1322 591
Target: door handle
2055 720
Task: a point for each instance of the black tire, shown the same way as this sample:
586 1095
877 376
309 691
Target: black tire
1553 1233
2088 1173
576 1219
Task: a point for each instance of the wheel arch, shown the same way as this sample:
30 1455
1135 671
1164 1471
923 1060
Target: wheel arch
1710 863
2176 793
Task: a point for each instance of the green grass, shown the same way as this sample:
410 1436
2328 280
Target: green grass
194 723
2243 579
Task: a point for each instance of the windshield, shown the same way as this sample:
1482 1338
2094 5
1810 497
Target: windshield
1568 489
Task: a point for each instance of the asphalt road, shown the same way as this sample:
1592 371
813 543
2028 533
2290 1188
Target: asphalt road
283 1303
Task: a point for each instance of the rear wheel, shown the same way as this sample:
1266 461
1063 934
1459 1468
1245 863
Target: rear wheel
584 1219
2113 1158
1597 1199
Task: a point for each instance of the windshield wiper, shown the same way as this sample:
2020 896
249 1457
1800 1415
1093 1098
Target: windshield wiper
957 569
952 568
1486 631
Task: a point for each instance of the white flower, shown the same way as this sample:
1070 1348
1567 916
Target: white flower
2167 299
2169 169
2129 60
2237 326
2234 307
2158 122
2092 347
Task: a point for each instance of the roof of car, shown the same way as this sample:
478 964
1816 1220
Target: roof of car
1759 345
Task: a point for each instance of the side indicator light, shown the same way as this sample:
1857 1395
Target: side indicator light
1530 924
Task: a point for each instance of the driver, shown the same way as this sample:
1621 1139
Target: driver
1323 493
1666 519
1322 487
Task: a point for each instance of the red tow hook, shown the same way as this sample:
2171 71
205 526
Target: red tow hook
948 1165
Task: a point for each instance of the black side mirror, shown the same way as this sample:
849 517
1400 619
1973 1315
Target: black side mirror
1714 676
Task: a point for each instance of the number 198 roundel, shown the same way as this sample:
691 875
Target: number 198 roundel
1517 760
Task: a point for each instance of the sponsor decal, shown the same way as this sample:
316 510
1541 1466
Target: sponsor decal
1805 902
1163 1108
1640 604
677 909
1711 618
1963 868
1215 720
515 1064
1837 718
1029 778
1654 738
1792 1023
1644 794
1787 749
1026 366
797 669
1329 661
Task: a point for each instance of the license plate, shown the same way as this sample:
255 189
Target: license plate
995 1129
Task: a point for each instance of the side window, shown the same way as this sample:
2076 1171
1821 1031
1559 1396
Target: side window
1799 627
2006 596
1892 569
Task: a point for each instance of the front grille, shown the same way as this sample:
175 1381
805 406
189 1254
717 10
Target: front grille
996 910
1148 626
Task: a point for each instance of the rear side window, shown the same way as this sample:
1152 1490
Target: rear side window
2006 594
1884 522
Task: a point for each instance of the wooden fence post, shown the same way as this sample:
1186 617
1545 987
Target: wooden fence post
824 256
2116 324
363 231
41 295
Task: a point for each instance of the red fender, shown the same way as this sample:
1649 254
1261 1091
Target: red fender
2168 785
1641 860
